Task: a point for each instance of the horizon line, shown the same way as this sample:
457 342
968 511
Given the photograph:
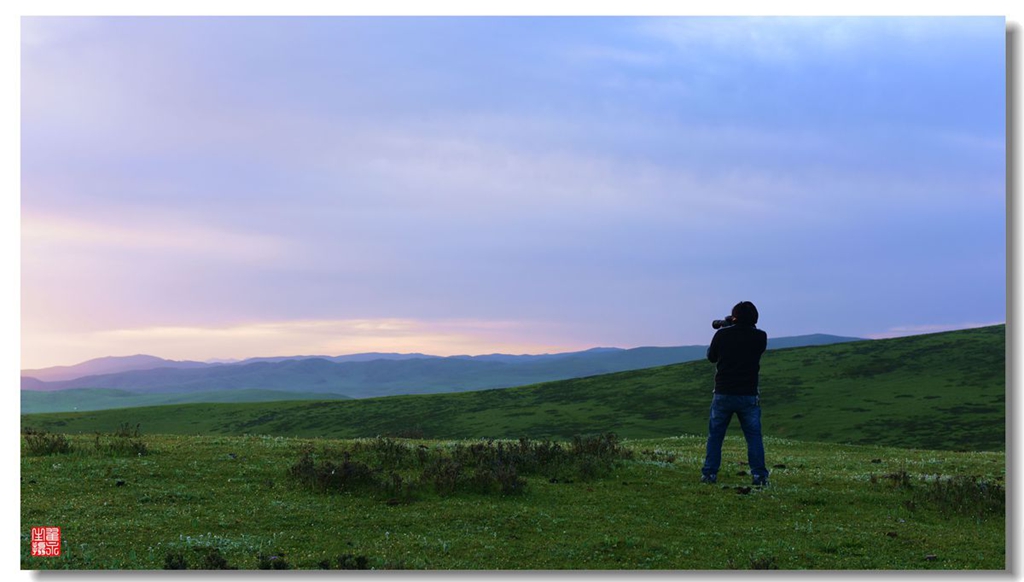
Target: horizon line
905 331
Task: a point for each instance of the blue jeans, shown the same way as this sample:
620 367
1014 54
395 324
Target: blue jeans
748 409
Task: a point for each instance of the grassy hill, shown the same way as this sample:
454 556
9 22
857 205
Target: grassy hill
105 398
938 391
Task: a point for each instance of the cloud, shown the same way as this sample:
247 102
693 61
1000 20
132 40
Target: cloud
299 337
45 238
461 168
788 40
593 54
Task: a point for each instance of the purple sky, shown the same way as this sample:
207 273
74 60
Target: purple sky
199 188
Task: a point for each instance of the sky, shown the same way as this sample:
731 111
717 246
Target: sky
230 187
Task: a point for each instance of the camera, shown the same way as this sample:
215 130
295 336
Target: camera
720 323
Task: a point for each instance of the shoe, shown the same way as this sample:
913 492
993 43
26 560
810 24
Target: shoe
761 482
709 479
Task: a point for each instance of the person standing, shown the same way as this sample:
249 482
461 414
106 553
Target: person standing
736 350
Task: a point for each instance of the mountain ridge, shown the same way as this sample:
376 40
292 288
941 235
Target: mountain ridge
115 364
106 365
367 375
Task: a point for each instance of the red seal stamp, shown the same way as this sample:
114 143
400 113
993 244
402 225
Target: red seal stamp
46 541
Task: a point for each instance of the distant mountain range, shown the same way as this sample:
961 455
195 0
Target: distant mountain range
118 364
108 365
355 376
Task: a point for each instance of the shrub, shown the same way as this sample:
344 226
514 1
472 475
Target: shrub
500 477
508 479
764 563
756 562
211 559
326 475
959 494
395 485
124 441
443 474
206 559
385 451
963 495
273 561
600 446
42 443
122 447
346 562
898 479
175 561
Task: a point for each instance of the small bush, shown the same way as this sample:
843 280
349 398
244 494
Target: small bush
957 494
204 559
123 447
273 561
211 559
398 488
508 479
326 475
42 443
764 563
346 562
899 479
598 446
175 561
121 443
499 477
384 451
963 495
755 562
443 474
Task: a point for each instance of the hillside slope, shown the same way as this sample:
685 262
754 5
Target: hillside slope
105 398
391 375
938 391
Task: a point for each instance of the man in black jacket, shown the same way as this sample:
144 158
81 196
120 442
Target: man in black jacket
737 350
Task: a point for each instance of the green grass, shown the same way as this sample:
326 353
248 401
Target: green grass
939 391
214 497
33 402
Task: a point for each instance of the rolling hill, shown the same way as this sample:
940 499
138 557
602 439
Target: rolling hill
371 375
937 391
103 398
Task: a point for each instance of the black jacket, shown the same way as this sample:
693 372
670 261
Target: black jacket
737 351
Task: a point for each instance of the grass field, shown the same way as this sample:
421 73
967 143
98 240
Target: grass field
227 501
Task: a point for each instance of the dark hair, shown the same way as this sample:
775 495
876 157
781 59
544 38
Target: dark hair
745 312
